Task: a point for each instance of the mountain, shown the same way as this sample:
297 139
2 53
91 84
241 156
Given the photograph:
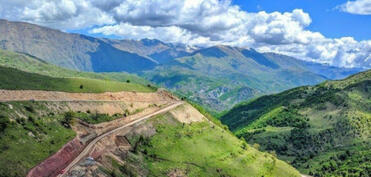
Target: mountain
221 76
72 51
152 48
42 132
325 70
217 77
323 130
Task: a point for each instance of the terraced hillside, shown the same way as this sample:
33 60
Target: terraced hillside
42 132
322 130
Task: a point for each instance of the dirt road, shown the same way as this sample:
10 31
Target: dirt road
38 95
89 147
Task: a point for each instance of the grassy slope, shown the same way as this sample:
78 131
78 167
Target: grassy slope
323 130
199 149
14 79
28 135
30 64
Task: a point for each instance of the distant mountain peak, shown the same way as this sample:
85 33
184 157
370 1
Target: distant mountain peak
152 42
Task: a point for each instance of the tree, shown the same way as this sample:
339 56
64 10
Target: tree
128 81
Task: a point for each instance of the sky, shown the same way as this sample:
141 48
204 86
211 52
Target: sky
326 18
337 32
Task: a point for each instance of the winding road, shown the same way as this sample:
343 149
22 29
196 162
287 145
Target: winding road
89 147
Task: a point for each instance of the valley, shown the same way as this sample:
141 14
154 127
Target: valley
73 105
217 77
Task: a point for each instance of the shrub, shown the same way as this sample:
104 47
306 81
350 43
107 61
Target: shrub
4 122
67 119
29 109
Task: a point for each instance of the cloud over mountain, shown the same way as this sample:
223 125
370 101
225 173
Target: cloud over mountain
202 23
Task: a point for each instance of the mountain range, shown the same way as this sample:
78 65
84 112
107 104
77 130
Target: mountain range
217 77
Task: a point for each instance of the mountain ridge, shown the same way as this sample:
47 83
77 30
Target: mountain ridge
241 74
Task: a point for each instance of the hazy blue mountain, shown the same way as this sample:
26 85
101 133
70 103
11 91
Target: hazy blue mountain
72 51
330 72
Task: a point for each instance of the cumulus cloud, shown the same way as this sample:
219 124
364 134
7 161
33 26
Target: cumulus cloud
62 14
360 7
199 23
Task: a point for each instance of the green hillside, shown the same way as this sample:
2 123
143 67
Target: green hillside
29 133
34 65
197 149
14 79
322 130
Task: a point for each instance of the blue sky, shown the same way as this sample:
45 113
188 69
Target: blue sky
326 19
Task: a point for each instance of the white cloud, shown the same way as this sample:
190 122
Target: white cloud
202 23
360 7
61 14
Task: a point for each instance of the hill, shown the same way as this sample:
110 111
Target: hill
14 79
181 141
323 130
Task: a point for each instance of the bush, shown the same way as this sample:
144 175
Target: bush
4 122
29 109
67 120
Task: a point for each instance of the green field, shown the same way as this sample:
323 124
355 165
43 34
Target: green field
14 79
322 130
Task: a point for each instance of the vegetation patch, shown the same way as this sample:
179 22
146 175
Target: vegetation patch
201 149
32 81
28 136
322 130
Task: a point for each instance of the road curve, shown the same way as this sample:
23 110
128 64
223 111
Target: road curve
87 149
